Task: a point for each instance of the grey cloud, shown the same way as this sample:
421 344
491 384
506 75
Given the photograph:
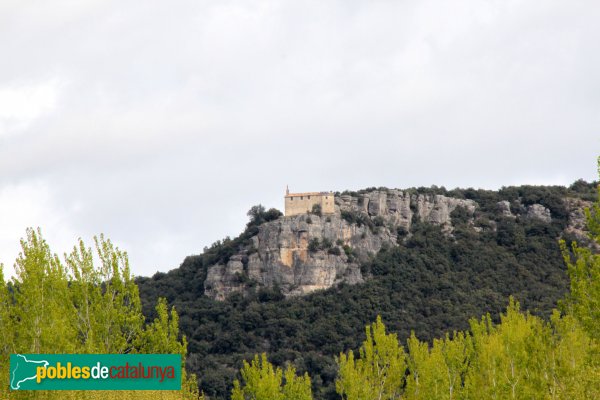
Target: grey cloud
172 119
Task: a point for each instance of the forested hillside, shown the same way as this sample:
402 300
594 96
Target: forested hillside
431 280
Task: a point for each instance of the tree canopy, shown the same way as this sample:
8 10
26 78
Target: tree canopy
51 306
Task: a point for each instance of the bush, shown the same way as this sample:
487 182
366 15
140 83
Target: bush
258 215
316 209
379 221
401 231
335 251
348 250
360 219
460 215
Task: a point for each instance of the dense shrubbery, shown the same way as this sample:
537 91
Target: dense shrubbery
430 284
522 357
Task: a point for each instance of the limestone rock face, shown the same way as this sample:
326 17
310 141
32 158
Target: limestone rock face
303 253
225 279
577 222
504 207
538 211
397 208
437 209
282 255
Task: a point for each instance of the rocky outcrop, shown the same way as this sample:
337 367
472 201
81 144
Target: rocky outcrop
539 212
577 222
504 208
304 253
397 208
299 254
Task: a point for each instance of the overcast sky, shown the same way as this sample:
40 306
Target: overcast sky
160 123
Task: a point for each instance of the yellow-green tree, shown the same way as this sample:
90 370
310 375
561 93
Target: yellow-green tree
378 373
522 357
263 381
76 307
510 358
6 333
583 266
438 372
572 361
41 310
105 298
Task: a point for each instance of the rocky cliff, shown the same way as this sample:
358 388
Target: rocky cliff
304 253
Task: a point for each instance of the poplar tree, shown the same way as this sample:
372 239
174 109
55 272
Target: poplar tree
81 308
572 361
378 373
42 310
583 267
428 378
509 357
106 298
263 381
6 329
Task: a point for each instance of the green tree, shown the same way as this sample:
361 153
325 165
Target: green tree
510 357
106 298
317 210
263 381
583 266
42 309
162 335
256 212
428 378
378 373
80 308
296 387
6 326
571 361
457 353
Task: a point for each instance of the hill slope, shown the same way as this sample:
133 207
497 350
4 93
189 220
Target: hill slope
426 259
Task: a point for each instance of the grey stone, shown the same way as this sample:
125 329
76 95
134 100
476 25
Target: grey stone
282 257
538 211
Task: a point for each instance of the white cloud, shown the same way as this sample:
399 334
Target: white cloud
178 117
22 103
31 205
